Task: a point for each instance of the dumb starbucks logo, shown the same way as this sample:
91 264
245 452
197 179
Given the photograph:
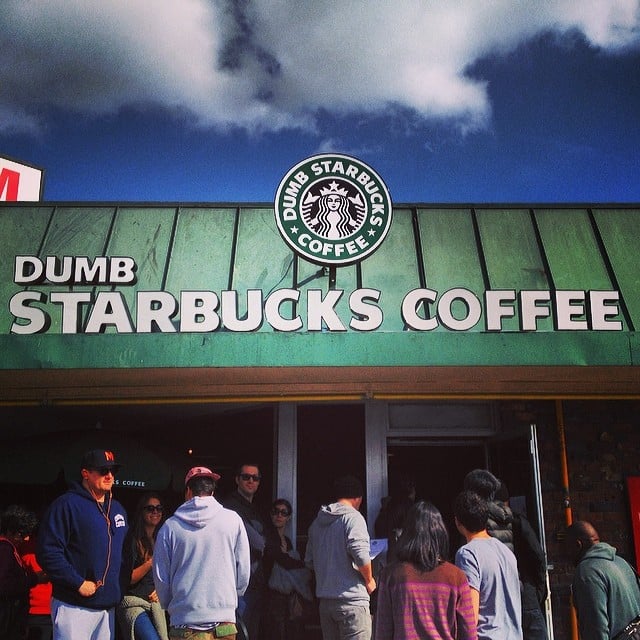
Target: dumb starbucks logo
333 209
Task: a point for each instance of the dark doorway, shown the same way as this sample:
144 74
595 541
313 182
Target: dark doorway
510 459
331 443
437 469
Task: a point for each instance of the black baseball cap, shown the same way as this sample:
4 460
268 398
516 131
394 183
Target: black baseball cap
98 459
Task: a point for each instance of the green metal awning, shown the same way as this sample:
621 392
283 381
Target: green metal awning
413 300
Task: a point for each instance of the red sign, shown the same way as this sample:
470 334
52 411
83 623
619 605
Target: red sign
19 182
633 489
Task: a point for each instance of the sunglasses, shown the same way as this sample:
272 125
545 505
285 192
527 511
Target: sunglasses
152 508
249 476
280 512
103 471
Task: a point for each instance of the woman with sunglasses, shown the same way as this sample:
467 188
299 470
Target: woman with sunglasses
284 571
139 613
421 594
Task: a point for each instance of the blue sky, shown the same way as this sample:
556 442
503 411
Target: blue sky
213 101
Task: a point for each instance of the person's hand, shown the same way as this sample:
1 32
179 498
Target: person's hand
87 588
43 578
371 586
153 597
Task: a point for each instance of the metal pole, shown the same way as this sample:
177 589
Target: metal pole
566 501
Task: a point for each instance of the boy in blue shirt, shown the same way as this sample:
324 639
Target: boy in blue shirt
491 570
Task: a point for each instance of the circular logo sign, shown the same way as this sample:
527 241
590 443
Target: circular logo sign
333 209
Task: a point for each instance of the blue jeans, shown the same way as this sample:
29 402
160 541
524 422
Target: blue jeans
144 629
250 610
533 624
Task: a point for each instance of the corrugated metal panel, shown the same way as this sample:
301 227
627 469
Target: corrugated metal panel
312 276
202 249
450 253
214 248
21 232
512 255
262 260
571 249
393 269
75 231
620 233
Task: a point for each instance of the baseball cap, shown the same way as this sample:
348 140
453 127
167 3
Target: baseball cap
98 458
200 472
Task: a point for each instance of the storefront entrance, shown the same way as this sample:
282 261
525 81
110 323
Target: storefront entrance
437 468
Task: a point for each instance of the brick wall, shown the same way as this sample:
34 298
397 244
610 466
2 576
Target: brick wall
603 448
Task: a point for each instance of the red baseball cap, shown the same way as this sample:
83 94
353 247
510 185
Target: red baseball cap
200 472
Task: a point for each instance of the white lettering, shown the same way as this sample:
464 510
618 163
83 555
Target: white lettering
122 271
530 310
495 310
603 305
286 310
37 320
74 270
109 310
253 319
59 271
27 269
272 310
70 301
155 308
321 310
198 311
570 305
368 317
410 305
472 309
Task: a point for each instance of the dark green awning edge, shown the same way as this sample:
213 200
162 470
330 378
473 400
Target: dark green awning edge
116 351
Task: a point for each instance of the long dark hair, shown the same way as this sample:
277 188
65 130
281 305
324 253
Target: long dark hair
138 533
424 541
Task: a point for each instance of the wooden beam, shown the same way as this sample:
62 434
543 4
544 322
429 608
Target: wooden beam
72 386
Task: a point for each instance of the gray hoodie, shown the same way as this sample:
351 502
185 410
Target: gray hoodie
338 544
201 563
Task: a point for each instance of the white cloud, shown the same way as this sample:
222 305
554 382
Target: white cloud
274 64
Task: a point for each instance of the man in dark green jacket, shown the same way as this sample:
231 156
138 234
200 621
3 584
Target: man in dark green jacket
605 587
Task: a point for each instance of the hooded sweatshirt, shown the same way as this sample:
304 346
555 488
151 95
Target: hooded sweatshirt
201 563
605 593
338 543
80 539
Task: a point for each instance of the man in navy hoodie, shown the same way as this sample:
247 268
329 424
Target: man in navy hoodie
80 549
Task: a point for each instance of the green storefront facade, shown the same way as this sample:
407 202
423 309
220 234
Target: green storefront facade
468 325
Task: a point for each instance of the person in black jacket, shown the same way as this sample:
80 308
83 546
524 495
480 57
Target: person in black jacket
16 525
282 621
241 501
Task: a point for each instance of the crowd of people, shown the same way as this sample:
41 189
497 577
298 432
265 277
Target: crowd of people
209 570
222 569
